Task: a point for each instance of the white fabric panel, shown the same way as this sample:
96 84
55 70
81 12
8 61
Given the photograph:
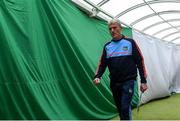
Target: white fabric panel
176 76
162 64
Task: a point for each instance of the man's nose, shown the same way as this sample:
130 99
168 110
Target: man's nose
112 30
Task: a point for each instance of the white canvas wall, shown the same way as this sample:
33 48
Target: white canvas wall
162 62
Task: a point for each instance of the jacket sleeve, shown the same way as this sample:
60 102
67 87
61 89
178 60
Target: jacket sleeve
102 65
139 60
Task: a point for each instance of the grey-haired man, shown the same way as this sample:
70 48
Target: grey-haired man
123 57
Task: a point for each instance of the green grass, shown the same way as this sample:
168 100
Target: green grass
163 109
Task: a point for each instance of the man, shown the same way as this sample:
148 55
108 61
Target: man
122 56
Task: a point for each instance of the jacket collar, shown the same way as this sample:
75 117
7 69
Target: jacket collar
118 39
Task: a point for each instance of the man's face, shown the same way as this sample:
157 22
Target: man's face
115 30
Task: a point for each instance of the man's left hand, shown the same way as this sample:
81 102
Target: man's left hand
143 87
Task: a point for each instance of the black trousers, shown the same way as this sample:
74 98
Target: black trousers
122 94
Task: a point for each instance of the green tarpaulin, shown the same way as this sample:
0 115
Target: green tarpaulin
49 51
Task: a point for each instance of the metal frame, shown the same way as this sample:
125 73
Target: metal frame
151 15
175 39
170 34
154 14
144 4
96 9
161 17
106 13
165 29
161 22
88 9
102 2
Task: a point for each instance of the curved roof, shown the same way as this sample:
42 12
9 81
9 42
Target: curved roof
158 18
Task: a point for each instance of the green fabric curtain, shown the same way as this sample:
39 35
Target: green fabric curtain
49 51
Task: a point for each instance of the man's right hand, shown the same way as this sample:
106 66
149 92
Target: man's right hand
96 81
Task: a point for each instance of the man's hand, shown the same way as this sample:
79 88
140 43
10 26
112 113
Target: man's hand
96 81
143 87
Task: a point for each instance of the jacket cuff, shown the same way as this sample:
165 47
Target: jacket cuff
143 81
96 76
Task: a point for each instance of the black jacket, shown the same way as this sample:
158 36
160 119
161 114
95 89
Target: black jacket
122 57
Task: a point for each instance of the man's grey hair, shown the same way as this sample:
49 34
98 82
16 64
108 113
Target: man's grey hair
114 21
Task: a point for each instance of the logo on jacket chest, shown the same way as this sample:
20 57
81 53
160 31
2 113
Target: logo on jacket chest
125 48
